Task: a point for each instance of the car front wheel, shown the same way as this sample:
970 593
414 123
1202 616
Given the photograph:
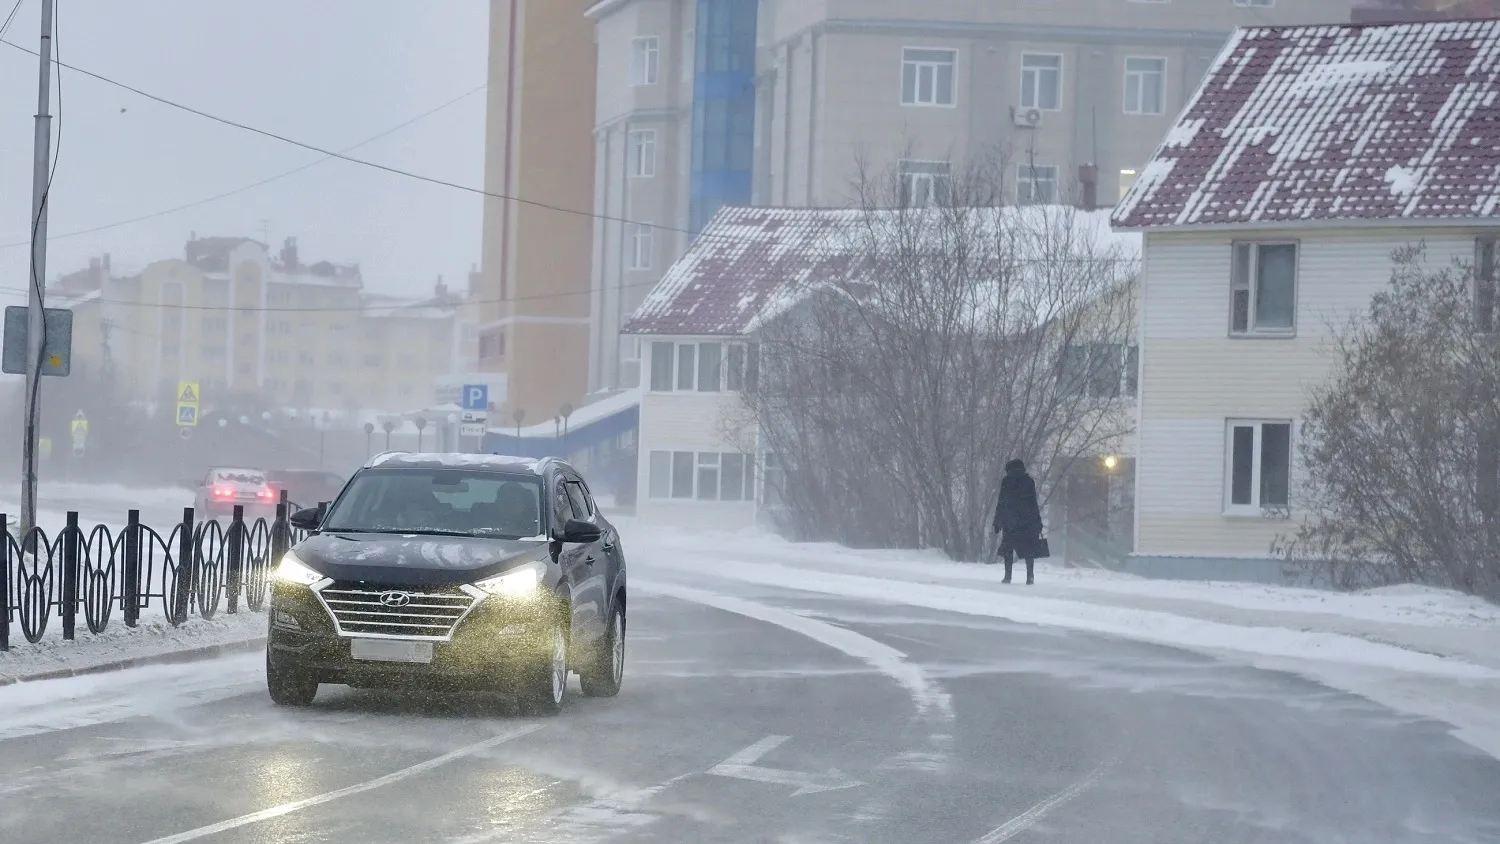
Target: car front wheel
604 676
289 687
544 684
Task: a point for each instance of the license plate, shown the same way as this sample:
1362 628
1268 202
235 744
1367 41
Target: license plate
390 650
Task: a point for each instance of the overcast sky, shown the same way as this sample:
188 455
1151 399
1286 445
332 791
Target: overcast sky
328 72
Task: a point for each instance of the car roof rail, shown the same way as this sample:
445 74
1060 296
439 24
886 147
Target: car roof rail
381 457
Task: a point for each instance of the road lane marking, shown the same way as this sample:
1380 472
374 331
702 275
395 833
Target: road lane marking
929 697
1024 821
742 766
394 776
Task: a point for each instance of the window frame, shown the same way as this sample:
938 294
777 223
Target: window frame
928 173
1033 74
1161 93
642 252
645 60
917 66
661 464
637 143
1256 508
1031 180
690 379
1251 331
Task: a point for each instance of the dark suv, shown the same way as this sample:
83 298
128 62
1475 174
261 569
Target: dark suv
459 571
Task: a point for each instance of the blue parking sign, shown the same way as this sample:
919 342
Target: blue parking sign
476 397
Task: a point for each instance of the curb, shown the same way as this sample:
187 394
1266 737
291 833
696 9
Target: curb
168 658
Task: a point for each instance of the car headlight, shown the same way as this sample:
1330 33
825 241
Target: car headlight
293 570
516 583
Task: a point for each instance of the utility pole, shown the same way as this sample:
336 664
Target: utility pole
34 323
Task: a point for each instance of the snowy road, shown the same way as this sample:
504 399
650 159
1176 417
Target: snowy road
753 714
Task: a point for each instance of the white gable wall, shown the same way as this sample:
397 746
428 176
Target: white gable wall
1195 377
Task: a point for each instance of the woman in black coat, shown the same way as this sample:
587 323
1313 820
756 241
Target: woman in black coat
1018 519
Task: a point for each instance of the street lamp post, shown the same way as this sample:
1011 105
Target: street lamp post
369 432
421 423
41 180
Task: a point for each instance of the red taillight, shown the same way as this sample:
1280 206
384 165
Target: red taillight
265 494
223 492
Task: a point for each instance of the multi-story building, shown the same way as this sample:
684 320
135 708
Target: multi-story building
702 103
241 323
534 294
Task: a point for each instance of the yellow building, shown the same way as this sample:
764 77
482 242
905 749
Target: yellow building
537 260
246 325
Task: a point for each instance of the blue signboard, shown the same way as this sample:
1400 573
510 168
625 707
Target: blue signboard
476 397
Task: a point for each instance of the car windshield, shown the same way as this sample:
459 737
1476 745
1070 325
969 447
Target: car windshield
456 502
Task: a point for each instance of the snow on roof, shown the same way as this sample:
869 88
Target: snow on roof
586 415
453 460
1344 122
751 264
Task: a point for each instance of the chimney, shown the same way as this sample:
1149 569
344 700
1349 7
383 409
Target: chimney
440 290
1088 187
289 253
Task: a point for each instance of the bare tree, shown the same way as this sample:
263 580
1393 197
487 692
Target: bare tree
1400 446
929 346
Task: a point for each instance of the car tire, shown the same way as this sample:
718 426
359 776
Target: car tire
289 687
607 671
543 685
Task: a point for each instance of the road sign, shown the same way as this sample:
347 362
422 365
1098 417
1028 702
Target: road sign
474 416
57 341
79 426
187 392
471 429
187 415
476 397
185 433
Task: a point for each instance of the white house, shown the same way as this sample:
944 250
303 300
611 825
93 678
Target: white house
1270 213
701 462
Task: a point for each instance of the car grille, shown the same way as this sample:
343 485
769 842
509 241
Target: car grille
360 611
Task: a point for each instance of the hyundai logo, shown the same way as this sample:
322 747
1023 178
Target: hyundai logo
395 599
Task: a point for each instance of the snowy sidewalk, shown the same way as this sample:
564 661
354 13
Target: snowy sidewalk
152 641
1421 651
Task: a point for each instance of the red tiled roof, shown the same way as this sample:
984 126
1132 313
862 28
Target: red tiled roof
1334 123
742 261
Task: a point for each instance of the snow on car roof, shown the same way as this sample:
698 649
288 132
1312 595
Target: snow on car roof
455 459
1346 122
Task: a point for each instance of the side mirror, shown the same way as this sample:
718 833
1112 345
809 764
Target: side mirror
580 531
308 519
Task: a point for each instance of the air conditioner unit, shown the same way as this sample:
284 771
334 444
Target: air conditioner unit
1027 118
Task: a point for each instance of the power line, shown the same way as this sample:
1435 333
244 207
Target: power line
361 161
10 17
215 198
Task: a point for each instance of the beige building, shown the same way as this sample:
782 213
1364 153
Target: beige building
534 292
242 323
776 102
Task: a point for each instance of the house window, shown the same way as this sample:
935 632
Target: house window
1259 466
703 476
1101 370
645 60
702 367
927 77
1036 184
1263 289
641 147
1145 85
1486 275
925 183
641 246
1041 81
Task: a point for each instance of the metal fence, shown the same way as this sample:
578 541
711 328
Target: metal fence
192 568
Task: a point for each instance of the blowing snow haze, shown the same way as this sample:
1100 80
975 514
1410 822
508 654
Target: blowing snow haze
1073 421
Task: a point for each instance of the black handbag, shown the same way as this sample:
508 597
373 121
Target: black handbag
1043 549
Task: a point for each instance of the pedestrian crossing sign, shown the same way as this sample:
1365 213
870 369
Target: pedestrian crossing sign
187 392
80 428
187 415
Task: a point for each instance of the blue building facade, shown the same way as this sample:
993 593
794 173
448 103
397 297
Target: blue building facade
723 107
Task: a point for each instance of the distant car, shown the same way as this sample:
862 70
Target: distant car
458 571
305 488
223 488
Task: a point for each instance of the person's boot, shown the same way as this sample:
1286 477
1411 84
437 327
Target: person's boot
1030 574
1007 573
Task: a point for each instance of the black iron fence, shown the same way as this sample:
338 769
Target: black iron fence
195 567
